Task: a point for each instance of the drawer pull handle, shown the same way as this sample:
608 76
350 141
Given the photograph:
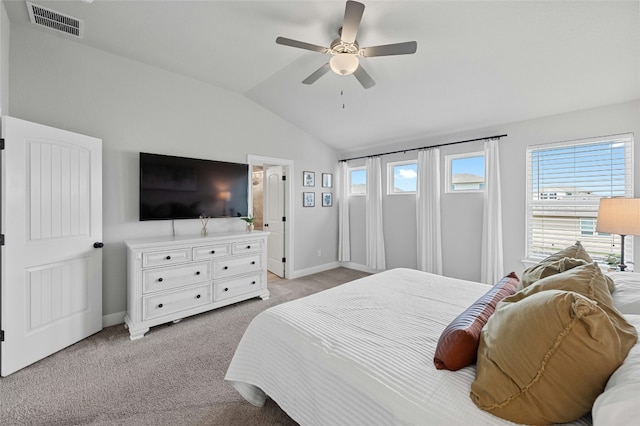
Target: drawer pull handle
226 267
160 305
248 247
253 282
160 279
226 289
197 296
253 262
168 258
213 252
197 272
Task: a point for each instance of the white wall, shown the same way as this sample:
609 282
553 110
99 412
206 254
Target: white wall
462 213
133 107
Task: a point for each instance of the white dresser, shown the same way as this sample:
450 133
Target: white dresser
174 277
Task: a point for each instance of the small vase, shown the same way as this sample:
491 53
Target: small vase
204 231
250 227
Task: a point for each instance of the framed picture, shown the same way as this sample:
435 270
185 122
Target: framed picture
327 180
308 199
308 179
327 199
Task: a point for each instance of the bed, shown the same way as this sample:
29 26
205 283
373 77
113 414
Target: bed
363 353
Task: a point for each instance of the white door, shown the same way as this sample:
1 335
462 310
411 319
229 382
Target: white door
274 219
51 277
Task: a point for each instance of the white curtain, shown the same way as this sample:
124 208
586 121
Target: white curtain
375 235
492 269
344 242
428 212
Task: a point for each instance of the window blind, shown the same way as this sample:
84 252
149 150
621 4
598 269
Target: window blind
565 182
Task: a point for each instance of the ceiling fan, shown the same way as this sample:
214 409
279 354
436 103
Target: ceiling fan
345 50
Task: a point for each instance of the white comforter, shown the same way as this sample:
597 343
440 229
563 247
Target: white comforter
362 354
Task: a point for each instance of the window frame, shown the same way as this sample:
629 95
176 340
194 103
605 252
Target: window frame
366 186
391 177
448 189
585 208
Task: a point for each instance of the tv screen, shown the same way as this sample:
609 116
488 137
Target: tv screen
186 188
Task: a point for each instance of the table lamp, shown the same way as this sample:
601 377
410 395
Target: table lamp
619 216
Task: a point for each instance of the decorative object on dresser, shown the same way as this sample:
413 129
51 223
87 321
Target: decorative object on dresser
250 225
619 216
170 278
204 220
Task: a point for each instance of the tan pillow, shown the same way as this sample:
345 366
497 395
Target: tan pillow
458 343
587 280
545 269
545 358
576 251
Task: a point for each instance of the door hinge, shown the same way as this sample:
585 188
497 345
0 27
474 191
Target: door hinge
284 218
1 143
1 239
284 177
1 335
284 260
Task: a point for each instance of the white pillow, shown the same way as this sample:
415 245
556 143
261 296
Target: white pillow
626 293
618 404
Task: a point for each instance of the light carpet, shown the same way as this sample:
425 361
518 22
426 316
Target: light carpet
173 376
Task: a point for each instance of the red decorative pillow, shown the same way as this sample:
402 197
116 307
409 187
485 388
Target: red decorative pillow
458 343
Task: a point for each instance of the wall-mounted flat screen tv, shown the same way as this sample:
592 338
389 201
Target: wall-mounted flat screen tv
186 188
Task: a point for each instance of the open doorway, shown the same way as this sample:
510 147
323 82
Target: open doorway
270 204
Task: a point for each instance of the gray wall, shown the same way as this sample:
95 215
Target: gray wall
462 213
133 107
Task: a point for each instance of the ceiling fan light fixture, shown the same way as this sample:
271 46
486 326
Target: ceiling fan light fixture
344 63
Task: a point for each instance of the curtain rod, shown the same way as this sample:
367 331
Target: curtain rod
424 147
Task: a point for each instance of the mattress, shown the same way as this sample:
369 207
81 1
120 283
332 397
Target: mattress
362 353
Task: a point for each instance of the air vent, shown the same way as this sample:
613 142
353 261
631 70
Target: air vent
55 20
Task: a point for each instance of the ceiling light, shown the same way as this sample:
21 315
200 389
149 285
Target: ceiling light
344 63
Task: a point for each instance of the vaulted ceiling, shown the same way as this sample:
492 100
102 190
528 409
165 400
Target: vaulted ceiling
478 63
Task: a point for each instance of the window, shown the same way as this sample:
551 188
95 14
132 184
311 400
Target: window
565 182
465 172
358 181
402 177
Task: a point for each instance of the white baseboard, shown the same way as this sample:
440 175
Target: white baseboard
314 270
358 267
112 319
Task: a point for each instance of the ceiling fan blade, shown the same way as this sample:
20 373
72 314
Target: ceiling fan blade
364 78
352 17
301 45
317 74
405 48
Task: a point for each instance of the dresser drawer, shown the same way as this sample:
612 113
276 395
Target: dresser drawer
177 276
169 303
169 257
253 246
209 252
236 286
230 266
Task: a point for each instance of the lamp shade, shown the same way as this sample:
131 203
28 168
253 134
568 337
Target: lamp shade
619 216
344 63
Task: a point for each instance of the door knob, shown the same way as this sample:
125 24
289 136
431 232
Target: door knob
98 244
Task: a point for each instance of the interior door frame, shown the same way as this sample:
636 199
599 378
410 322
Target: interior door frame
258 160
